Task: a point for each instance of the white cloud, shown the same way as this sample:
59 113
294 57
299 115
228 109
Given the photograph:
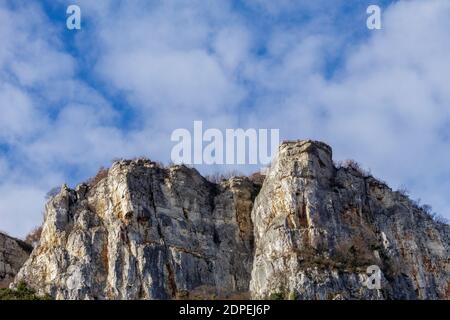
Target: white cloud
387 105
49 119
179 81
18 119
3 167
172 61
232 46
21 206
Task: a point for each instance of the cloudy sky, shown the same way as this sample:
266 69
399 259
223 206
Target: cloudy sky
71 101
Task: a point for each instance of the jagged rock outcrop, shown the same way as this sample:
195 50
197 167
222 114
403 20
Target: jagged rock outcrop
145 232
13 254
318 228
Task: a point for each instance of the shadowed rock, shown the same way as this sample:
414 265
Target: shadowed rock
13 254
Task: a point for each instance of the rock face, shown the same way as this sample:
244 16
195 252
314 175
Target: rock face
13 254
147 232
318 228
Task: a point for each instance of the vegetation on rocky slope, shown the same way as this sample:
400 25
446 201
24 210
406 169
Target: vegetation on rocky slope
23 292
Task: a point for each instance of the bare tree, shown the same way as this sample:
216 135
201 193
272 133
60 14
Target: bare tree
34 236
53 192
351 164
101 174
218 177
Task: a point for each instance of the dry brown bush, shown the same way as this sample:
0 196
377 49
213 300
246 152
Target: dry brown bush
351 164
257 178
34 236
101 174
218 177
354 253
53 192
206 292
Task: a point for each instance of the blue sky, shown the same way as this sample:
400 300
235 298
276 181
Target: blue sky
73 100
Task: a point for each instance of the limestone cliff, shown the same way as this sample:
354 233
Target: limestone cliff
318 228
147 232
13 254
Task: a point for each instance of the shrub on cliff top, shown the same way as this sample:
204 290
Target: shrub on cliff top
218 177
350 164
276 296
53 192
101 174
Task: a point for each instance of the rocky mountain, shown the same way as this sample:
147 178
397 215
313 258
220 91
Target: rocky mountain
142 231
318 228
13 254
145 232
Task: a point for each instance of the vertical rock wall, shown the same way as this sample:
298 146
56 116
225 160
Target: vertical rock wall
318 228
